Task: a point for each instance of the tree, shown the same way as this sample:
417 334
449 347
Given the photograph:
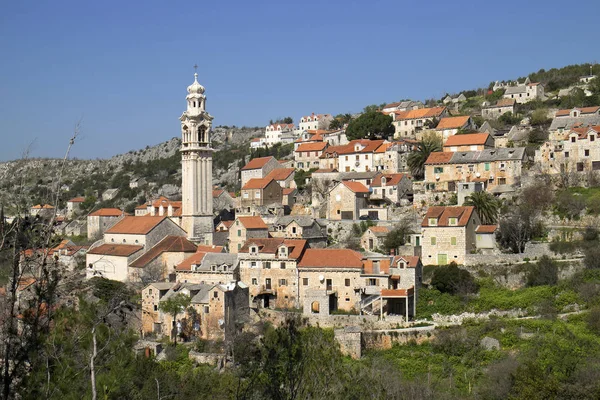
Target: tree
175 305
509 119
487 206
453 280
416 160
539 117
397 236
287 120
544 272
370 125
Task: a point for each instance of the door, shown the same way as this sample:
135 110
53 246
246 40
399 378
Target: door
370 244
268 283
328 284
442 259
417 241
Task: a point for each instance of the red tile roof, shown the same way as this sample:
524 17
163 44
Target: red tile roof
419 113
257 163
77 200
107 212
270 245
288 191
443 215
165 202
379 229
252 222
194 259
136 225
384 266
439 157
356 187
505 103
170 244
119 250
217 192
411 261
316 146
467 139
331 258
211 249
486 229
583 110
280 174
397 292
453 122
40 207
257 183
390 179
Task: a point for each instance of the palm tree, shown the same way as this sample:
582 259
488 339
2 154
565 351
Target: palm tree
416 160
487 206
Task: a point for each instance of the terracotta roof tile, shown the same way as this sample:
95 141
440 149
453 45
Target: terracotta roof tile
252 222
316 146
420 113
257 183
390 179
439 157
77 200
397 292
331 258
280 174
356 187
136 225
584 110
486 229
120 250
194 259
453 122
411 261
170 244
288 191
384 266
271 245
107 212
443 215
211 249
467 139
380 229
257 163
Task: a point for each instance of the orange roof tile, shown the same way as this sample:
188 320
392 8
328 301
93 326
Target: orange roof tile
227 224
170 244
467 139
271 245
397 292
45 206
411 261
77 200
194 259
380 229
257 183
331 258
107 212
420 113
505 103
165 202
136 225
486 229
119 250
252 222
316 146
390 179
384 266
356 187
288 191
280 174
439 157
453 122
443 215
257 163
383 148
211 249
584 110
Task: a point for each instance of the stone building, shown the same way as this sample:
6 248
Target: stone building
300 227
102 219
409 123
565 120
160 261
208 267
222 199
73 206
469 142
345 200
390 188
449 126
374 237
501 107
314 122
448 234
306 156
259 168
245 228
578 152
283 176
260 192
402 106
274 132
329 280
525 92
269 268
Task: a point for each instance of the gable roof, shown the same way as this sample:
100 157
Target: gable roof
107 212
439 157
331 258
583 110
77 200
170 244
257 163
390 179
119 250
467 139
419 113
411 261
165 202
280 174
356 187
453 122
486 229
257 183
443 214
252 222
271 245
314 146
136 225
194 259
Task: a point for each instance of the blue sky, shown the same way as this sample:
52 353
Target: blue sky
123 66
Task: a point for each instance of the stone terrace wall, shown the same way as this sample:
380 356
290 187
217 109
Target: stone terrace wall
533 251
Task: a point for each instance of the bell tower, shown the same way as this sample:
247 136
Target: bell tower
196 167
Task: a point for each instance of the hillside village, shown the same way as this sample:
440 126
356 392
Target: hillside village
361 223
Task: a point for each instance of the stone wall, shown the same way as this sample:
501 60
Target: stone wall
350 340
532 251
385 339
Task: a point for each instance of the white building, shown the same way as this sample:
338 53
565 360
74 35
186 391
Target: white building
525 92
314 122
274 132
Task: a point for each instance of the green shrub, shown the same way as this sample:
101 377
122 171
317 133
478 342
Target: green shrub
453 280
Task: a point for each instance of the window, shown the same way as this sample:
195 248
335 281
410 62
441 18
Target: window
283 282
453 241
155 307
432 222
592 138
346 158
282 265
438 170
433 241
573 139
502 166
487 166
347 298
372 282
206 309
239 246
452 221
253 264
254 281
347 282
267 264
366 156
293 229
566 154
357 157
305 281
245 195
471 168
586 153
215 294
150 292
239 232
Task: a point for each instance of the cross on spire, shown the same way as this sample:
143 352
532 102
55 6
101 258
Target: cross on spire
195 67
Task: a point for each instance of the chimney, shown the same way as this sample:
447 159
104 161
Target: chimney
392 252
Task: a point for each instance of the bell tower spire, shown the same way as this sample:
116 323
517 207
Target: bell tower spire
196 166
